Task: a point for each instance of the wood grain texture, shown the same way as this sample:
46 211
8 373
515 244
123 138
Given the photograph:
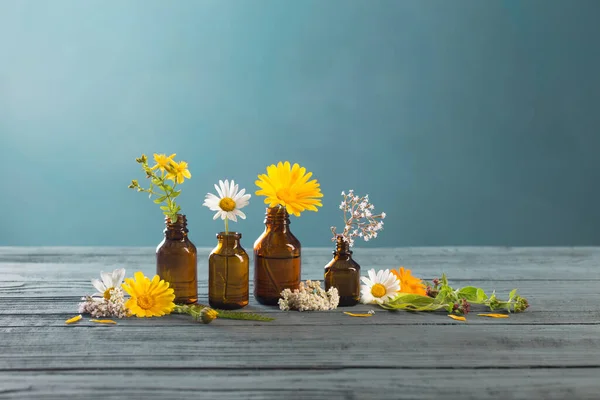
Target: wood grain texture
552 351
321 384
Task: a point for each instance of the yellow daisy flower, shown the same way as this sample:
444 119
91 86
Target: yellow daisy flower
162 161
288 185
149 298
178 171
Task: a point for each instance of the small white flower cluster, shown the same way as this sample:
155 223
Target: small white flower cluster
309 297
359 217
101 307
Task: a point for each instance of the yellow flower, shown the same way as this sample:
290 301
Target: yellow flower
178 171
149 298
73 320
162 161
290 187
408 283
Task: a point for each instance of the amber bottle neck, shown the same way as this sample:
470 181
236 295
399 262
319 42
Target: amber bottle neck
342 248
229 240
277 219
176 230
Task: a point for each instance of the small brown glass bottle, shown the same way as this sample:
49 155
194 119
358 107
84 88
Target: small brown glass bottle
176 261
276 258
228 273
343 273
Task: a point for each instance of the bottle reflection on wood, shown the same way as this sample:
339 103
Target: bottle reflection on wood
228 271
176 261
277 262
343 273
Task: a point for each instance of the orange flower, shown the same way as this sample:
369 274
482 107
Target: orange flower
408 283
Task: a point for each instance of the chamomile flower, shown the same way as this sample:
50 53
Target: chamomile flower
109 281
379 287
229 202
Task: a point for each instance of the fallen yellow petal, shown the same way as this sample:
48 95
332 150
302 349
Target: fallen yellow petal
73 320
103 321
357 315
456 317
492 315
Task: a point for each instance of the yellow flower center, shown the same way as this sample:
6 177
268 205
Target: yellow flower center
286 195
227 204
107 293
378 290
145 302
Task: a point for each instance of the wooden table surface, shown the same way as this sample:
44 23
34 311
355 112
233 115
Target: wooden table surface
552 351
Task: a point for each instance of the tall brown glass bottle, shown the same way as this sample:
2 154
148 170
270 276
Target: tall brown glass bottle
228 272
276 258
176 261
343 273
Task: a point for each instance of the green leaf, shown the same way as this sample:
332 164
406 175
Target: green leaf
481 296
444 280
160 199
468 293
164 208
175 194
512 294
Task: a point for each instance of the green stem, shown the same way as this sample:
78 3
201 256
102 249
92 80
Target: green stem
194 311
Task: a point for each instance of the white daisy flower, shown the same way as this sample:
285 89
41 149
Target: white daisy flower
108 282
379 287
229 202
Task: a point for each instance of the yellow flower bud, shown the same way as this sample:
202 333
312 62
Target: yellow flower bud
207 315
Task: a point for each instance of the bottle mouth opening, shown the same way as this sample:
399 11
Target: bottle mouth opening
232 235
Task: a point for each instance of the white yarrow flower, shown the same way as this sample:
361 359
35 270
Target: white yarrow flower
379 287
229 202
109 281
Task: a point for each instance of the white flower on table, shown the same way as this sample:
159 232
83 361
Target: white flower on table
379 287
108 282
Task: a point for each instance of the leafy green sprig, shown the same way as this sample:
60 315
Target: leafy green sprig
159 187
440 295
195 311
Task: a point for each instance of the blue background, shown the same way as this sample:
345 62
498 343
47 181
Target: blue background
468 122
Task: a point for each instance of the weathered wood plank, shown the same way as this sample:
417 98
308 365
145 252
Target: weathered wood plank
260 346
62 296
489 263
381 317
526 384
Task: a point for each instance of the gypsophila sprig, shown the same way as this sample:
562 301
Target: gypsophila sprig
109 299
310 296
114 306
166 169
359 218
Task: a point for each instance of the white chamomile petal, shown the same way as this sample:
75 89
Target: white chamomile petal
231 216
240 214
372 275
106 279
216 215
239 194
118 276
98 285
218 189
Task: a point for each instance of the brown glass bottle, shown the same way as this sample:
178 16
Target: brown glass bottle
343 273
228 273
276 258
176 261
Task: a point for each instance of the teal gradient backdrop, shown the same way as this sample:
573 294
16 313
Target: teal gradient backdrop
468 122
